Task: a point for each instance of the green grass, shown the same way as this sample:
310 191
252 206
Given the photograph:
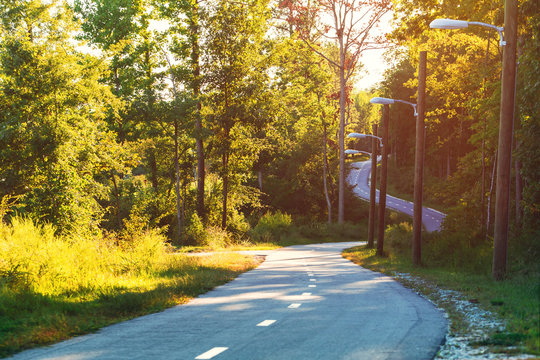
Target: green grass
54 288
516 299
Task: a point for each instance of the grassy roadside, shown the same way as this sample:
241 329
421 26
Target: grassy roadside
29 319
54 288
515 300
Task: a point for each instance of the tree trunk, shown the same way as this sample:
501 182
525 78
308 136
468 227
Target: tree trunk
225 163
342 85
325 171
117 201
153 170
177 167
483 186
196 68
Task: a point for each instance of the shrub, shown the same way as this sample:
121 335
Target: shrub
271 227
398 236
195 232
217 238
456 250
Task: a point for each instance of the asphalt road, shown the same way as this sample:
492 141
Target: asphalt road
359 176
303 302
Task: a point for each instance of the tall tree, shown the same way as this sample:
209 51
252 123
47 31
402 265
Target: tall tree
52 106
233 60
349 24
186 46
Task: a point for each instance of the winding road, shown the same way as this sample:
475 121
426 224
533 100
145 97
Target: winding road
360 175
303 302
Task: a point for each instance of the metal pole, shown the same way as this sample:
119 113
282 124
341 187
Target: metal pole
373 189
419 162
382 191
505 141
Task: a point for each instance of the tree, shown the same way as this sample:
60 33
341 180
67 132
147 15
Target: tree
52 107
185 45
232 69
348 23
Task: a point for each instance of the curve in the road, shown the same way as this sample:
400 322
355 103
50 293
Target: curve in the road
303 302
359 177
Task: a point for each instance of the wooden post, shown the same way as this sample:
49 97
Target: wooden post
504 160
373 189
419 161
382 191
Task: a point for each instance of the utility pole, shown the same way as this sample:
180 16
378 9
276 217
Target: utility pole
373 189
419 161
384 171
504 160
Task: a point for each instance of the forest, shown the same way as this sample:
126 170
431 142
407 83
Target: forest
135 131
195 118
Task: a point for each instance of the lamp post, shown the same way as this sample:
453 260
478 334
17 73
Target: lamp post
506 124
384 174
418 179
373 187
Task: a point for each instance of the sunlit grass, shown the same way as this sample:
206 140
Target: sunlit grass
54 288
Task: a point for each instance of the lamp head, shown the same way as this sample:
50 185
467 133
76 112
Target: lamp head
381 101
448 24
356 135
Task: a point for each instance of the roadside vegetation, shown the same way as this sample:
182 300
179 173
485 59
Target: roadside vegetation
53 287
451 262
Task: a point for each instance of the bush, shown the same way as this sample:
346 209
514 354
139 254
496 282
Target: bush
398 237
195 232
271 227
217 238
456 250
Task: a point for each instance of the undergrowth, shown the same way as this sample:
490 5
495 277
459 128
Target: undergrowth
52 288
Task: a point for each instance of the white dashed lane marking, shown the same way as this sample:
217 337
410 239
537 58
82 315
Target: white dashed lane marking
266 323
211 353
294 306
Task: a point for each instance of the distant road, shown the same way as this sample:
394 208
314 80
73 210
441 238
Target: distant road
359 176
303 303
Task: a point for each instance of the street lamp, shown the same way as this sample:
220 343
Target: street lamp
386 101
363 136
451 24
418 181
354 152
506 127
373 187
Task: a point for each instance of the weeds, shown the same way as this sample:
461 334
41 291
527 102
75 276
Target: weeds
52 288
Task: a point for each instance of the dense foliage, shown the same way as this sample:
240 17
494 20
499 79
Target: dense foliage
462 116
185 115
